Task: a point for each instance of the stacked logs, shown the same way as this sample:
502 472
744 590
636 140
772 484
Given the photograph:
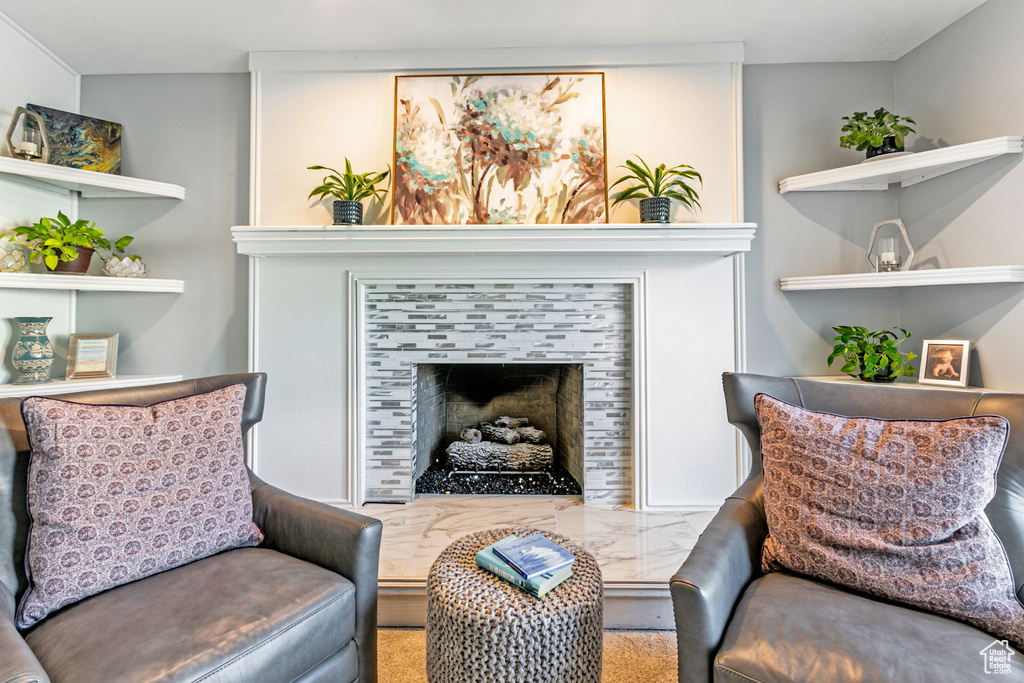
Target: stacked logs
509 443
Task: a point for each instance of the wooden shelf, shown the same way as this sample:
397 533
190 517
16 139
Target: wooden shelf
88 283
89 183
910 278
61 386
907 170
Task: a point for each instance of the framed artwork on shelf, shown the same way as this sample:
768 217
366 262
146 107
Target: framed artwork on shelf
500 148
78 141
945 362
92 356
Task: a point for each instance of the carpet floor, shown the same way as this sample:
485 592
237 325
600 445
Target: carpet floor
629 656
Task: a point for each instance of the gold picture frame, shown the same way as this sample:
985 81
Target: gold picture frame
92 356
500 148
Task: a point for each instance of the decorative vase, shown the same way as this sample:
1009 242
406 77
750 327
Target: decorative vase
76 266
347 212
33 354
124 267
888 147
655 209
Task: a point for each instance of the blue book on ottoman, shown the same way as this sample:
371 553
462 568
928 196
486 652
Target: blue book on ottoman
537 587
533 555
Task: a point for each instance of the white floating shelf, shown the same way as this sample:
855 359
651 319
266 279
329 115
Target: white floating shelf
89 183
910 278
908 169
61 386
88 283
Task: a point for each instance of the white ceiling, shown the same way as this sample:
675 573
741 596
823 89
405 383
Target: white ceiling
184 36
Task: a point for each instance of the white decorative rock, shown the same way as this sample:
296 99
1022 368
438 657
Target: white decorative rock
124 267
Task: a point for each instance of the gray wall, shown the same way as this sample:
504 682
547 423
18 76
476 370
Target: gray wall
965 85
791 125
191 130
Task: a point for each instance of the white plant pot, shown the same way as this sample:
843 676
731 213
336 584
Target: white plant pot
124 267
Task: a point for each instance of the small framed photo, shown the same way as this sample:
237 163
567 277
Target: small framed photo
92 356
945 361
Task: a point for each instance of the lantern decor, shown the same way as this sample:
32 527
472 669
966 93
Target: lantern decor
884 250
33 144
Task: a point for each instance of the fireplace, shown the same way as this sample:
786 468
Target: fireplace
495 346
344 319
513 428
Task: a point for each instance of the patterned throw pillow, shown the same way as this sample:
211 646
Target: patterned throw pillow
118 493
894 508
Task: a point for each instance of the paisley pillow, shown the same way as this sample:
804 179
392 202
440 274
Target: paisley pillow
118 493
893 508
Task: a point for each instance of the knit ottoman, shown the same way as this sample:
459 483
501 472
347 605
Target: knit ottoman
482 628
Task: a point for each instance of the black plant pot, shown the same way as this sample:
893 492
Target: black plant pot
655 209
888 147
882 376
348 212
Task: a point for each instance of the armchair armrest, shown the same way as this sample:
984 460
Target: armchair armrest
726 558
17 662
336 539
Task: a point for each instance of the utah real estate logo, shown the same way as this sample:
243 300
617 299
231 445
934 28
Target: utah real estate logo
997 657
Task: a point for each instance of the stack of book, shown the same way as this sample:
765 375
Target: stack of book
534 563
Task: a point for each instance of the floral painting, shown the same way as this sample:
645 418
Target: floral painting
519 148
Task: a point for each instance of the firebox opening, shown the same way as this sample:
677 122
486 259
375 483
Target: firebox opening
538 449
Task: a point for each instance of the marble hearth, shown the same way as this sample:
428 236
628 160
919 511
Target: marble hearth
342 317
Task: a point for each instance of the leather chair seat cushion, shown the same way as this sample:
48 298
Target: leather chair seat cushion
787 628
244 615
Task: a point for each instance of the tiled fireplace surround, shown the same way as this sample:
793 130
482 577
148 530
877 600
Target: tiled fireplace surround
408 325
652 313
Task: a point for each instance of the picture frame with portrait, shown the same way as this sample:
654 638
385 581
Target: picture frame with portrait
92 356
945 362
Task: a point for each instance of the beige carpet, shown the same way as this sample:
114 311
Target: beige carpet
629 656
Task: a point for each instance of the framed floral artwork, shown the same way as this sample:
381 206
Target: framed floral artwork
499 148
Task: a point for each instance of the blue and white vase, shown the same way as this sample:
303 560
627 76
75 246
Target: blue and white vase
33 354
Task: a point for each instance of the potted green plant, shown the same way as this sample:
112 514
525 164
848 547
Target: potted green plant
872 356
66 247
879 133
350 189
657 188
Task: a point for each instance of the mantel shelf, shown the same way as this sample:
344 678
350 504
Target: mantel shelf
88 283
704 238
907 170
67 386
910 278
89 183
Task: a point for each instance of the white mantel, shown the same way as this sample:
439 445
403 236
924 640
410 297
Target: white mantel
722 239
308 288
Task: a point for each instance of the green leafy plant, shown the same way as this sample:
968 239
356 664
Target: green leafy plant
58 239
863 131
661 182
349 186
872 356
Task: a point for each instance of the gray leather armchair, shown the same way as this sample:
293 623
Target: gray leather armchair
735 624
300 607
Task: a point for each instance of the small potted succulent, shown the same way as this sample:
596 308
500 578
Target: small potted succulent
657 188
349 189
65 246
879 133
872 356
